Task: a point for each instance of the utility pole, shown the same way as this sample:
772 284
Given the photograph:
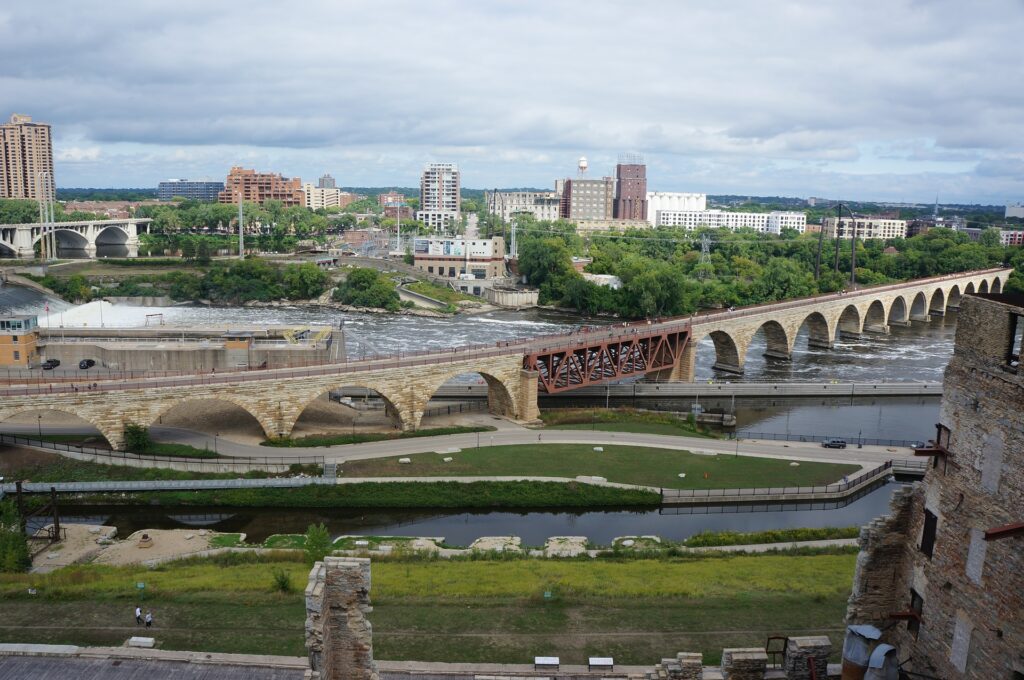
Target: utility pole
241 227
853 254
839 224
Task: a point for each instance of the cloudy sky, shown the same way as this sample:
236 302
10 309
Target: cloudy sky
889 100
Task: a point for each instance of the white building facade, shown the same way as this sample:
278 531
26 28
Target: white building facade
440 195
543 205
864 228
1015 210
321 197
674 201
768 223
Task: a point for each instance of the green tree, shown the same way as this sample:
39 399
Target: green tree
364 287
136 438
304 281
990 237
318 543
14 554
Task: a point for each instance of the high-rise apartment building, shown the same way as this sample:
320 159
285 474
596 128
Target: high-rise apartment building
186 188
440 195
258 187
26 150
588 199
326 182
630 188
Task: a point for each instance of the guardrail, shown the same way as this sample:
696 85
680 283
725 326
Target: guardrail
128 459
781 491
165 485
850 440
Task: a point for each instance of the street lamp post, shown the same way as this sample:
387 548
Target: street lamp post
39 422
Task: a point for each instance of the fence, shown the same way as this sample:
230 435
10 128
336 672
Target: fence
128 459
461 407
166 485
838 488
850 440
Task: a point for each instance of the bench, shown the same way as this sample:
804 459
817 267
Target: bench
600 663
545 663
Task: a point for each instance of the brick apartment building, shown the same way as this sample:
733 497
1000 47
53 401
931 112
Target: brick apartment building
259 187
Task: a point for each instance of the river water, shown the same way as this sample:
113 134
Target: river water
462 528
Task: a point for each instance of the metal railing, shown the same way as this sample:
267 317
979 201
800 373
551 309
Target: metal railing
167 485
853 440
461 407
837 488
126 458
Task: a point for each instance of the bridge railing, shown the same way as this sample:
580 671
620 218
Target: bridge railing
850 440
839 487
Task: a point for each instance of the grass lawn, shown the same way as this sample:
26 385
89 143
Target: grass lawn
440 293
626 464
361 437
622 420
638 611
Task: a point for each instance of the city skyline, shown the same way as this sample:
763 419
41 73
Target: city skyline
895 102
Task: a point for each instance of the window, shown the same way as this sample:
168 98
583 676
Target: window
14 338
928 535
917 606
430 269
17 355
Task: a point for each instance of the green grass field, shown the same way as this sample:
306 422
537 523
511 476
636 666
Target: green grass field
638 611
625 464
623 420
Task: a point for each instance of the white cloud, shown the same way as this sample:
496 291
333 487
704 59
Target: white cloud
714 95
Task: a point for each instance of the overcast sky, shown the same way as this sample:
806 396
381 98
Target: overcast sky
887 100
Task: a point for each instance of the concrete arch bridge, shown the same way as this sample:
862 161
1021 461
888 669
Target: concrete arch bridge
514 371
19 240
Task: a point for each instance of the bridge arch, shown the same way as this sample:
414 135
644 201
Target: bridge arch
819 331
67 239
953 296
161 409
778 344
727 352
7 250
874 317
919 307
997 285
501 395
112 235
983 286
937 305
898 312
356 416
969 289
849 321
114 438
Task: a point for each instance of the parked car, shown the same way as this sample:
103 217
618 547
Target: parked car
834 443
51 364
85 364
918 445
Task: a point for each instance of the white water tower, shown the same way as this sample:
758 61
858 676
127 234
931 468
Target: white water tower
581 166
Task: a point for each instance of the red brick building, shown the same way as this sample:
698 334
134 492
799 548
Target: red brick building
258 187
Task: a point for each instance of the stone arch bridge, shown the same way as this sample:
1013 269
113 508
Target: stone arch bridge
514 371
19 240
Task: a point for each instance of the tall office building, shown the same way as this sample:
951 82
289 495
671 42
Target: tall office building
630 188
440 195
26 150
257 187
326 182
587 199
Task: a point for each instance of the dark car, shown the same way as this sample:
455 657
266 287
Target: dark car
86 363
834 443
51 364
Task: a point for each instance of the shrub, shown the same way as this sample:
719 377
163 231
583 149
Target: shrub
136 438
14 555
282 581
318 543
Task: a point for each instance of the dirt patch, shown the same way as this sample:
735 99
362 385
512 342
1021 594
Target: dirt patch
166 544
81 542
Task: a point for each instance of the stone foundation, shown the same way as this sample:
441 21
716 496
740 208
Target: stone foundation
339 638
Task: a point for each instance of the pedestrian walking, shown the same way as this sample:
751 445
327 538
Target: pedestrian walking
149 619
138 615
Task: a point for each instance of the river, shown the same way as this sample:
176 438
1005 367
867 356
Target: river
462 528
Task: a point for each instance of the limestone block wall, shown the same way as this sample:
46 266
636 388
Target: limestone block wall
339 638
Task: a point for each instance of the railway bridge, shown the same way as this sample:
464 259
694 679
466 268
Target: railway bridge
515 371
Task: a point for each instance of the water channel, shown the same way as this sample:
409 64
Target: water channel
462 528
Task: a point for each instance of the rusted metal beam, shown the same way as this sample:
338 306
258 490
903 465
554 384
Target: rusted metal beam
1005 531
